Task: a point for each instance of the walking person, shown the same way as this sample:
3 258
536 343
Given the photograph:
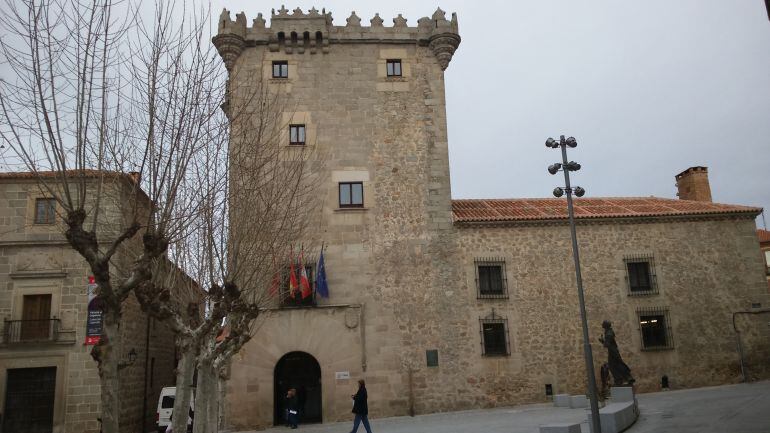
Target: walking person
361 408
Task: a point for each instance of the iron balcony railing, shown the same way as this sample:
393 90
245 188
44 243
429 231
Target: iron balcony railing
29 331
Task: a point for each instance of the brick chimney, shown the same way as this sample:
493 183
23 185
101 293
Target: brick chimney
693 184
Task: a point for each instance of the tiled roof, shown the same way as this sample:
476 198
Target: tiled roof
763 235
89 173
499 210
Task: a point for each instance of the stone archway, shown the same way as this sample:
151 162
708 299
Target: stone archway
301 371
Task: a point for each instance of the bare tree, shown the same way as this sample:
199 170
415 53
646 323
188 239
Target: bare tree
96 93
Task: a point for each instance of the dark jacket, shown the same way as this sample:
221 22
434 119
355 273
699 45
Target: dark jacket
360 405
291 403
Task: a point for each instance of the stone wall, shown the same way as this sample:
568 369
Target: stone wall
705 271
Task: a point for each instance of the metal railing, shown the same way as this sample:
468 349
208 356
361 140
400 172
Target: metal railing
30 331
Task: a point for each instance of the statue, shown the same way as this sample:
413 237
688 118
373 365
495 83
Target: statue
620 371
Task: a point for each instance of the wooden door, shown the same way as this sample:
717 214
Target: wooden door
36 317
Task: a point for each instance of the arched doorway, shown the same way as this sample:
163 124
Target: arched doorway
298 370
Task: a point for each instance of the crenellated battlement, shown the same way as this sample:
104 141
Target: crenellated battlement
314 32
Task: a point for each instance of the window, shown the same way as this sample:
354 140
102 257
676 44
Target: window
431 356
490 278
167 402
394 67
281 69
494 336
640 274
351 194
297 135
45 211
655 328
287 300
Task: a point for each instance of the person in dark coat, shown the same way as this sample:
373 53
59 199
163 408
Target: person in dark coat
291 408
361 408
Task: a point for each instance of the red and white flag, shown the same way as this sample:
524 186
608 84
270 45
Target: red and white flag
304 282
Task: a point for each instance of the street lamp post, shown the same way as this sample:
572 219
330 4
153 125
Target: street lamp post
566 167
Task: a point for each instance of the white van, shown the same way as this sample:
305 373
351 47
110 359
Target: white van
166 408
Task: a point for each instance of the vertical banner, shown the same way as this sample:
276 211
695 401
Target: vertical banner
94 319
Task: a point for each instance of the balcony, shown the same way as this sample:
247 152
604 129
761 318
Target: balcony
31 331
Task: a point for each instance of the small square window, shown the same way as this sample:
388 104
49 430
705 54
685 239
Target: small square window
494 336
640 274
351 194
431 357
297 135
281 69
490 278
655 329
394 67
45 211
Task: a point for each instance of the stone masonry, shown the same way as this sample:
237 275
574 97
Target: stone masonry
401 268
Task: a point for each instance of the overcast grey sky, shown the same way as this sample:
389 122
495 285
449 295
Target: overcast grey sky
648 88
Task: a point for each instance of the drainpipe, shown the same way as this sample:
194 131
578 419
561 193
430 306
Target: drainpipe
738 337
146 361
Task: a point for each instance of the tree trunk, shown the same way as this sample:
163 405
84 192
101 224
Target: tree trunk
109 358
184 387
206 399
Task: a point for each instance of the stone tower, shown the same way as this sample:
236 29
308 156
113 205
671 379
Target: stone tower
371 99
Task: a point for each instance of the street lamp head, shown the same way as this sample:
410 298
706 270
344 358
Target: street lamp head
572 166
554 168
580 192
550 142
571 142
558 192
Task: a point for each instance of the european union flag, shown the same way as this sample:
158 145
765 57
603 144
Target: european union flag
321 287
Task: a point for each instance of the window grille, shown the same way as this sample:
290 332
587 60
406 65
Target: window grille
495 338
641 279
491 280
655 328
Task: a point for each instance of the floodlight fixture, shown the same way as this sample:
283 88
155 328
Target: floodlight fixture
572 166
558 192
579 191
571 142
554 168
551 142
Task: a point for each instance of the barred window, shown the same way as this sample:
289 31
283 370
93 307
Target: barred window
280 69
655 328
45 211
494 336
394 67
640 274
491 282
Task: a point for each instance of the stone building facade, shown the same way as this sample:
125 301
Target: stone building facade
407 265
48 379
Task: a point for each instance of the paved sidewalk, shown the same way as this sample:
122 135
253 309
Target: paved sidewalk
743 408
